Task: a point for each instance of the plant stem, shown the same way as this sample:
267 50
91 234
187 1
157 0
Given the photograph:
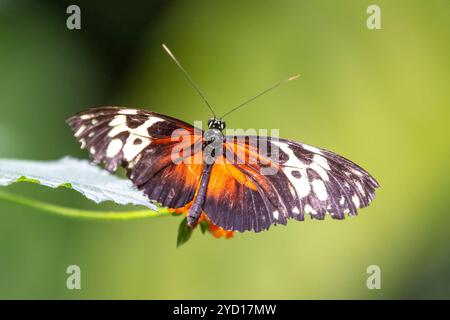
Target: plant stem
82 214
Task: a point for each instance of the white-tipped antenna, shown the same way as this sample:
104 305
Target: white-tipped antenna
172 56
261 93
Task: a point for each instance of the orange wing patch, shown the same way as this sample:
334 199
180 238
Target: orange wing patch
247 154
222 178
217 232
238 175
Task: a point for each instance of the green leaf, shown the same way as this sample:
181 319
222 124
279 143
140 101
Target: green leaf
66 185
93 182
25 179
204 226
184 232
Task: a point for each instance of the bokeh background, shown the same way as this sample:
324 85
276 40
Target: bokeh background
378 97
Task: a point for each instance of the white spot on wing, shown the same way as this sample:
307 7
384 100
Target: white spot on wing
128 111
92 150
321 171
276 214
142 129
295 210
79 131
311 148
355 200
342 201
118 129
321 161
309 209
131 150
132 163
301 185
293 161
114 148
118 120
361 189
119 123
320 190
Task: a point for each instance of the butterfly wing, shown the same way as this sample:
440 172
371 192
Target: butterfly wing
273 180
143 143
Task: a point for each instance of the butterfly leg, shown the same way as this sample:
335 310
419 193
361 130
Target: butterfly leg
196 209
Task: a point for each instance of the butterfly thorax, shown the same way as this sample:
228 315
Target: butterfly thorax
213 140
212 146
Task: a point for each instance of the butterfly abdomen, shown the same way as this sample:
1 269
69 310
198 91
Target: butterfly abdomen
197 205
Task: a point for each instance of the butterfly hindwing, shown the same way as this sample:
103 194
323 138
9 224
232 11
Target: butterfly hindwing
235 202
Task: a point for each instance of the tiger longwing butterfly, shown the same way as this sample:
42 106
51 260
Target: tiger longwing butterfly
226 177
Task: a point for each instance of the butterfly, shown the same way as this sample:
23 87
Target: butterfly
241 183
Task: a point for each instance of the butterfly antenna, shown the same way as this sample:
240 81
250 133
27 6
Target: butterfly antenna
261 93
188 77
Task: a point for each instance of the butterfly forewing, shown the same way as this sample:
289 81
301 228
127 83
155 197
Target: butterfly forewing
141 141
326 181
305 181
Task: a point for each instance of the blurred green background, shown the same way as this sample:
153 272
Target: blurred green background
378 97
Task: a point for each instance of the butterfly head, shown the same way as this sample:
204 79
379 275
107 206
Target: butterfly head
215 123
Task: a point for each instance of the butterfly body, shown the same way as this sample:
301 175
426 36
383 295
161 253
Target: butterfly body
213 138
241 183
196 209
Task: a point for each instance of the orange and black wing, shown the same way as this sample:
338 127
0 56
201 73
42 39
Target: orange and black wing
143 143
262 181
